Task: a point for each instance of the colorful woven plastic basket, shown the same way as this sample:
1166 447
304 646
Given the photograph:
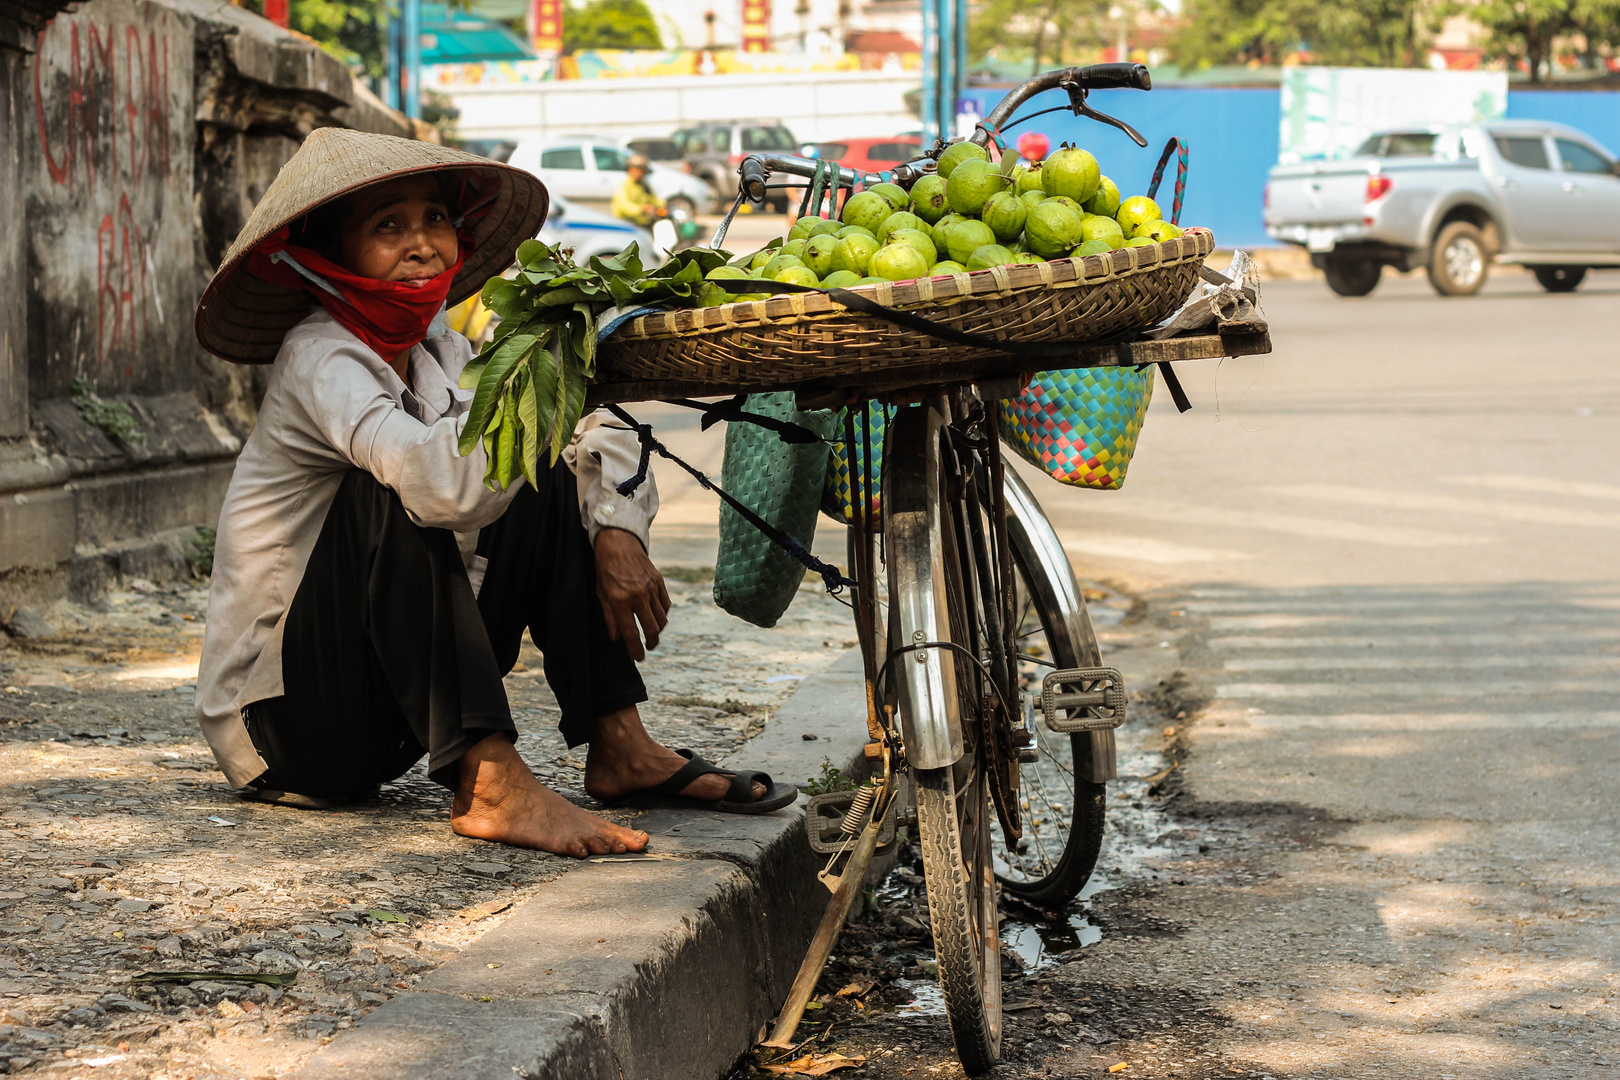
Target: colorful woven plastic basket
1080 425
838 496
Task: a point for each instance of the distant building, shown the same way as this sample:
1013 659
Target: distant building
871 29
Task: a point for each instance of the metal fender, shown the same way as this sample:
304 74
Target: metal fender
925 679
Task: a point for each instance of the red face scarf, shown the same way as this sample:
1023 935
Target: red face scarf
389 316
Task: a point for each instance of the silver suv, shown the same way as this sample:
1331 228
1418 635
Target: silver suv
712 152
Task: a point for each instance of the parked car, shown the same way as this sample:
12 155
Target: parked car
587 169
1451 199
869 155
494 149
713 151
590 232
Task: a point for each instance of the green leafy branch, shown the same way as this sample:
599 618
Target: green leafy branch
529 382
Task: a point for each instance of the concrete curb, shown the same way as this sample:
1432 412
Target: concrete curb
651 968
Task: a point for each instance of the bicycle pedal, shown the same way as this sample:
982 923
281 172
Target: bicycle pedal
1083 699
824 823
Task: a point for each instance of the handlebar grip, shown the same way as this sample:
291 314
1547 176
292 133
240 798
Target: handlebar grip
1112 76
753 179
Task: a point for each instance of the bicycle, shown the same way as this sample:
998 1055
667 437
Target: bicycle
975 617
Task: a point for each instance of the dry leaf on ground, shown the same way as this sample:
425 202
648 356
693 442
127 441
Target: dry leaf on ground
815 1065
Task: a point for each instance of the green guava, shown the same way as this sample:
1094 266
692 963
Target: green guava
854 230
871 281
1105 200
1052 229
966 237
959 152
1030 180
794 247
781 263
840 279
762 257
989 255
970 186
798 275
943 226
1157 231
1140 241
1031 199
1095 247
1064 200
1071 172
1137 210
1097 227
903 219
853 253
928 198
1005 213
946 266
898 262
1020 257
867 210
918 239
818 253
806 227
893 194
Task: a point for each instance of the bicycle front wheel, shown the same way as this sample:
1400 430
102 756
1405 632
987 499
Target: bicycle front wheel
1064 805
941 689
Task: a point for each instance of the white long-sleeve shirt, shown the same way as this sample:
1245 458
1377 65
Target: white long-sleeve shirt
334 405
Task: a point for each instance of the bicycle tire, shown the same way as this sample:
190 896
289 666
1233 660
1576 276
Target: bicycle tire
928 589
1055 599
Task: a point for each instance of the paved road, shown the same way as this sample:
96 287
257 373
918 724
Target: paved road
1386 557
1384 561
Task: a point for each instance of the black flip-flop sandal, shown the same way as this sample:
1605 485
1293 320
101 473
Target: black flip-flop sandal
739 799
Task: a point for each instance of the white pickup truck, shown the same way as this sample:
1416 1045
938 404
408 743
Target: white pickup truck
1451 199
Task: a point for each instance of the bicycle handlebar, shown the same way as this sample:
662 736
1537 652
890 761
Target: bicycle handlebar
1076 80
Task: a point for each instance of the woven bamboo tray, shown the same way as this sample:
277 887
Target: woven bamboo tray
808 338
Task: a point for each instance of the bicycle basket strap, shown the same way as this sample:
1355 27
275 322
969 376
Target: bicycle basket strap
1179 147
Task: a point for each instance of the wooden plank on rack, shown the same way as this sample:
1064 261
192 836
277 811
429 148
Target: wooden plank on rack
1128 354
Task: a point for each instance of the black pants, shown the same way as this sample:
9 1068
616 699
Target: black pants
387 655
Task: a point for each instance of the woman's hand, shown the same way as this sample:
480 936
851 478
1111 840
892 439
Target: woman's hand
630 589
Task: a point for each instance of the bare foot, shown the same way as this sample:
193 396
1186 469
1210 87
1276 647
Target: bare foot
623 759
497 798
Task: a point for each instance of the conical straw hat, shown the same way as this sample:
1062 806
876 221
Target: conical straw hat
244 318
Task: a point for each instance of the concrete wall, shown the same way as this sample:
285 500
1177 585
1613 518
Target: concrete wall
135 138
814 105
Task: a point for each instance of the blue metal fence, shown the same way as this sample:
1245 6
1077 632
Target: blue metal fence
1593 111
1232 140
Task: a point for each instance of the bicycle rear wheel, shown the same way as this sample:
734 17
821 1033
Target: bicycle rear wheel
941 689
1064 809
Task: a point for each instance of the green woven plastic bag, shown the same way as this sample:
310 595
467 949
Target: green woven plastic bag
781 482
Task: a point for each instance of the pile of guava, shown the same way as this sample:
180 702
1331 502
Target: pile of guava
967 216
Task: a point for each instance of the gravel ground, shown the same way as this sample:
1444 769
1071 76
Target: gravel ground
123 852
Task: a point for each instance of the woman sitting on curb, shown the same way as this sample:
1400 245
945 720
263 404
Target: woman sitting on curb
348 635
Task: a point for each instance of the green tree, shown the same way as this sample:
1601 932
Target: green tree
1378 33
1043 33
354 31
1532 31
610 24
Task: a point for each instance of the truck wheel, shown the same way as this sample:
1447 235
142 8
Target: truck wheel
1352 277
1460 260
1560 278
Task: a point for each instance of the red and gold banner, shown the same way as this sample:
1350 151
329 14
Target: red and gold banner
546 26
756 26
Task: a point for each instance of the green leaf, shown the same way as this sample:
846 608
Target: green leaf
506 442
471 373
530 250
383 915
503 297
531 434
496 369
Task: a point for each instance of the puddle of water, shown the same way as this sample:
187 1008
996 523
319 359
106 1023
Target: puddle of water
927 999
1040 945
